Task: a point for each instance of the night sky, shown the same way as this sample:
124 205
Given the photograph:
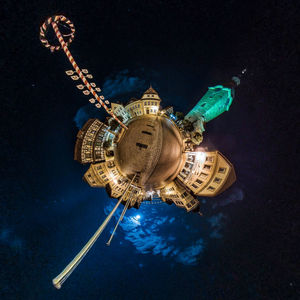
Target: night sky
245 245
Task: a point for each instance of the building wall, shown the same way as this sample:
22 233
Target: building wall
205 173
95 177
135 108
89 143
148 104
100 174
151 106
120 110
179 195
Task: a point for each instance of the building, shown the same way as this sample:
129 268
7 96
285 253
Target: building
207 173
151 101
119 110
178 194
135 108
216 101
89 143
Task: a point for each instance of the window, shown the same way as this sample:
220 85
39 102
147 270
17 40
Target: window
210 188
222 170
217 180
111 164
188 165
194 185
199 181
203 175
191 158
185 172
206 167
210 158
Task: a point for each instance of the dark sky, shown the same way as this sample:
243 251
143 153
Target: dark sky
245 245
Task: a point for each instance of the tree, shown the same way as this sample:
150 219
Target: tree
106 144
179 115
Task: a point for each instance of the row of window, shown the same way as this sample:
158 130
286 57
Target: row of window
117 188
134 106
191 203
148 103
90 179
179 203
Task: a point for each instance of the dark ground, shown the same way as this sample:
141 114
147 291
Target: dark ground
181 47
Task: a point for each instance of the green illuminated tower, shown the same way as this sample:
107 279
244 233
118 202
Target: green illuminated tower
215 101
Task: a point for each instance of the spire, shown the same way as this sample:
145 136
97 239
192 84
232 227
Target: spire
151 90
236 80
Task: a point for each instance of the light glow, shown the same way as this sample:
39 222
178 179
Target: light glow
201 156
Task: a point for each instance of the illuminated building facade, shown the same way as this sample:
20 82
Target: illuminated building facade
120 110
90 140
207 173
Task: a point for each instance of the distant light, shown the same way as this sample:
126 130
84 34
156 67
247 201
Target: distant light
137 217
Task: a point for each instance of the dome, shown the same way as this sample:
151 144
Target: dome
152 148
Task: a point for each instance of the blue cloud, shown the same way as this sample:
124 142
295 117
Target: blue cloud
122 83
172 220
216 222
150 235
9 239
236 194
189 256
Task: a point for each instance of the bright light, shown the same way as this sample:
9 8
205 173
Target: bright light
201 156
137 217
